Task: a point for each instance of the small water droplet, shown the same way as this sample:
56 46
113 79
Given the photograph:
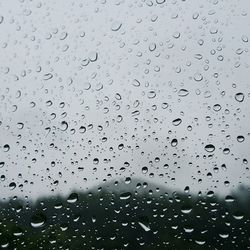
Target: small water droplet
47 77
151 94
136 83
116 26
183 92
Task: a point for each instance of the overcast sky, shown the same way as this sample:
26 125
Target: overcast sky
91 90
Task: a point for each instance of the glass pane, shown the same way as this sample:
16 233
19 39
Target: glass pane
124 124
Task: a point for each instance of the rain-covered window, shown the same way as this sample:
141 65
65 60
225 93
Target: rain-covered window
124 124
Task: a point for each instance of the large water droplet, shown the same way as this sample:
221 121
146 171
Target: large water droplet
125 196
210 148
239 97
72 198
38 220
177 122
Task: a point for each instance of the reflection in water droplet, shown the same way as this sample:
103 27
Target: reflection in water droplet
198 77
144 170
164 105
85 62
239 97
238 215
160 1
86 86
125 196
186 209
144 227
82 129
93 56
217 107
177 122
116 26
20 125
240 138
38 220
47 76
6 148
210 148
18 232
151 94
12 185
183 92
72 198
174 142
136 83
64 126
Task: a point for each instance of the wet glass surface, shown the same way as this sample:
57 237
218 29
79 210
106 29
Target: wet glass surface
124 124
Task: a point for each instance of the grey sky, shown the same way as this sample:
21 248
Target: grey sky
95 50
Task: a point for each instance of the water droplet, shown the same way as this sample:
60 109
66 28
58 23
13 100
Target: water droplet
6 148
244 38
217 107
86 86
151 94
38 220
144 227
72 198
95 161
64 126
20 125
210 148
152 47
160 1
82 129
174 142
93 56
186 209
47 77
240 138
12 185
144 170
125 196
177 122
18 232
85 62
198 77
238 216
136 83
116 26
183 92
164 105
200 242
229 198
239 97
